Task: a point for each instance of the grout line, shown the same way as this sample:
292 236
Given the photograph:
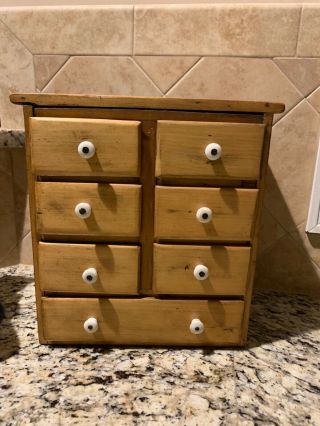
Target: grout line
275 219
15 36
146 75
179 78
133 30
309 103
272 245
184 75
312 91
297 226
299 30
222 55
55 74
289 111
9 252
288 78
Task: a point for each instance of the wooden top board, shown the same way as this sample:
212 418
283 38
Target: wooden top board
93 101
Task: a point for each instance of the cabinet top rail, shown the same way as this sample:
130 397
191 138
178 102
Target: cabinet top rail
94 101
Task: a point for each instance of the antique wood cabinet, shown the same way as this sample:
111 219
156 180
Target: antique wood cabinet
144 216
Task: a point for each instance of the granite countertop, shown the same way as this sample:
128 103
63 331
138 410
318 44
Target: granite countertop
11 138
275 381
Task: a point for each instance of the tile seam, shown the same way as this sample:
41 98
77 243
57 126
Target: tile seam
146 74
56 73
299 30
15 36
133 30
289 111
287 78
185 75
50 78
179 78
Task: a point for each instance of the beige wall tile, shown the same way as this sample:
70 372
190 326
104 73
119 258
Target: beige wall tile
19 168
8 238
16 74
20 188
237 79
303 72
270 231
11 258
25 250
309 36
45 66
292 159
21 253
73 30
314 99
102 75
309 242
286 268
164 71
260 30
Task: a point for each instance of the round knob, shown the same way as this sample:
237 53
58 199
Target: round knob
90 275
204 214
201 272
196 326
83 210
91 325
86 149
213 151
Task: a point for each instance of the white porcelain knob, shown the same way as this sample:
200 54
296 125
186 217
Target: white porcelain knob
196 326
91 325
90 275
83 210
204 214
86 149
213 151
201 272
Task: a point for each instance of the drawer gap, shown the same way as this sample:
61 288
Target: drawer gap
197 297
149 114
207 183
88 239
88 179
203 243
163 297
90 295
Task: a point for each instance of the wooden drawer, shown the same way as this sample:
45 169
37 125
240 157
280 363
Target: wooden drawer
201 270
232 210
181 147
142 321
54 146
115 209
88 268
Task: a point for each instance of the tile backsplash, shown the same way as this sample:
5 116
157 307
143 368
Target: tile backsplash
268 52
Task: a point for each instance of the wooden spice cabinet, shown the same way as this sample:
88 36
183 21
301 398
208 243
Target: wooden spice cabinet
144 216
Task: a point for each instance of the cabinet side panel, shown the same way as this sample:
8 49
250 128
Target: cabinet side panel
28 112
268 118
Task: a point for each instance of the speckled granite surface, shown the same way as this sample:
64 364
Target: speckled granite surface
11 138
275 381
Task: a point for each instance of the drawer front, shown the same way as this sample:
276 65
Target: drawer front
115 209
184 149
88 268
178 209
55 147
201 270
142 321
